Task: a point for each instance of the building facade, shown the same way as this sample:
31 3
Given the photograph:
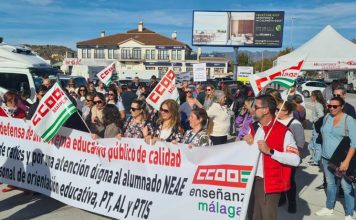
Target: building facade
142 52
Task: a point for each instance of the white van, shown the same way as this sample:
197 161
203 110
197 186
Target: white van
22 70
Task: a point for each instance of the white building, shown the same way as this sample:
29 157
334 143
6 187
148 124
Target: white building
142 52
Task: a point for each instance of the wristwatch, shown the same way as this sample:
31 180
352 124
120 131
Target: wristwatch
271 152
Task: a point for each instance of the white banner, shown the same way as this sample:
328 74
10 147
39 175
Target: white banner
244 71
260 80
165 89
106 74
129 179
199 72
53 110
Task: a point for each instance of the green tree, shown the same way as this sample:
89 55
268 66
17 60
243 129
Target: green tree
285 51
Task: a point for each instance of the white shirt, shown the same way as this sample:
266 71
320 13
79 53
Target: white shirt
289 156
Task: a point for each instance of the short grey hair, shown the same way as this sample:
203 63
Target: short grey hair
218 94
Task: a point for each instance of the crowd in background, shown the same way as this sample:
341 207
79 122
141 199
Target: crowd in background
207 116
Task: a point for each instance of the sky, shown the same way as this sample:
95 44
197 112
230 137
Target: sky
66 22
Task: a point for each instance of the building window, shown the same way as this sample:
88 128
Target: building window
174 54
84 53
110 53
136 53
99 54
88 53
125 54
179 54
148 53
163 55
153 54
116 54
150 68
189 69
177 69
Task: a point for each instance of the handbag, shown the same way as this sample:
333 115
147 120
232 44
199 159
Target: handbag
340 154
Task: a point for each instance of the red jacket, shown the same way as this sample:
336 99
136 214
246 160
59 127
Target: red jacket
276 175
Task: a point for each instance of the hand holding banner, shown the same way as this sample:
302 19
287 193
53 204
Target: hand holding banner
106 74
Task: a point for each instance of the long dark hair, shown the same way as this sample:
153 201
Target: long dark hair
85 91
319 98
201 114
114 91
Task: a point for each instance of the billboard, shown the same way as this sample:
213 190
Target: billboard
238 28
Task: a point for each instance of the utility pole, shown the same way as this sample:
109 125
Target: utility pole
291 32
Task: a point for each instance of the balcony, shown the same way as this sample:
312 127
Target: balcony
130 57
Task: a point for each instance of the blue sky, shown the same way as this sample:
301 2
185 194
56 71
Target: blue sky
65 22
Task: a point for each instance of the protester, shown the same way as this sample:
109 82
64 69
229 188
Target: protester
112 121
348 108
89 103
288 95
95 119
10 109
329 90
198 136
135 84
181 91
186 108
200 93
275 94
82 93
318 111
167 128
127 98
72 87
336 125
40 92
239 100
279 153
137 126
101 88
153 84
285 117
113 99
142 92
299 113
47 83
220 115
210 93
91 88
245 118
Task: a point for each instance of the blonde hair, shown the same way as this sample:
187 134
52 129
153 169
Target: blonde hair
173 108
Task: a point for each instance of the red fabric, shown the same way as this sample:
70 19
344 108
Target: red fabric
19 114
276 175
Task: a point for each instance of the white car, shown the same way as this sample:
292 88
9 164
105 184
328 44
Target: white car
309 86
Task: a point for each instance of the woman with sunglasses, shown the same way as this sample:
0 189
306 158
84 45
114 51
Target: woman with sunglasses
112 98
245 118
167 128
137 126
284 112
198 136
335 126
95 119
82 93
186 108
209 96
220 115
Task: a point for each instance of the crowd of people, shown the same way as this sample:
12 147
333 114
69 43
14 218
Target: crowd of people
207 116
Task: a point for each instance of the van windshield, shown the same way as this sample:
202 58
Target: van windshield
39 73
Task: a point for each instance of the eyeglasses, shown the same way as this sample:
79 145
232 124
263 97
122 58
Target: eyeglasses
111 94
164 110
256 107
336 95
98 102
333 106
135 109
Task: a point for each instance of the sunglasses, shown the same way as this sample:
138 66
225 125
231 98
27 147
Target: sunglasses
111 94
333 106
135 109
336 95
98 102
164 110
82 90
208 89
89 100
188 91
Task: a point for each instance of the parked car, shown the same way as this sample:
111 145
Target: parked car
309 86
229 83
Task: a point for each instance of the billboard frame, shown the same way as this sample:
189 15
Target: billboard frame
214 45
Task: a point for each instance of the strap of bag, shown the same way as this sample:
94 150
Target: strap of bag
290 122
346 129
